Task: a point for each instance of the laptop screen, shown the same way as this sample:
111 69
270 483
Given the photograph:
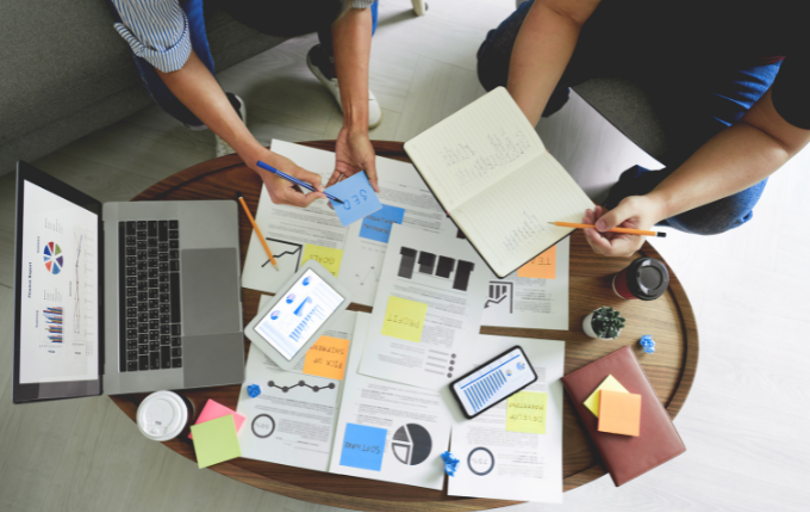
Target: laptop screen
57 295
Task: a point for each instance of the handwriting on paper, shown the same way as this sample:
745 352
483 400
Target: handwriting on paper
363 447
359 199
377 226
329 257
543 266
526 412
327 358
404 319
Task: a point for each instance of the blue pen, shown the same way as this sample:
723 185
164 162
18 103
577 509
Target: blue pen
298 182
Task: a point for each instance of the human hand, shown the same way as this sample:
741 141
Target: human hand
283 191
639 212
354 153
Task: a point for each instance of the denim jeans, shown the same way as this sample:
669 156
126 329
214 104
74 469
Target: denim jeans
199 42
694 101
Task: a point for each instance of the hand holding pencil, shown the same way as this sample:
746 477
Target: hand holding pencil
629 215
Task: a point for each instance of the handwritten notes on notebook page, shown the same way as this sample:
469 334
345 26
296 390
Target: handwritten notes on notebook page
489 169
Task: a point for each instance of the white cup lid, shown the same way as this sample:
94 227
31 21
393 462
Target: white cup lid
162 416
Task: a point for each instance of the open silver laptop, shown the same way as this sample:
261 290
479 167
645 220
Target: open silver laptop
123 297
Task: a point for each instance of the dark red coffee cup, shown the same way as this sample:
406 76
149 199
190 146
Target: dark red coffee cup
645 279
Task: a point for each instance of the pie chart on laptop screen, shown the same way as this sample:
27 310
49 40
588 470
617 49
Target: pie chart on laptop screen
411 444
53 258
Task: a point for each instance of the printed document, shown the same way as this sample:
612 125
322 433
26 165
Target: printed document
291 421
388 431
428 307
535 296
354 254
513 451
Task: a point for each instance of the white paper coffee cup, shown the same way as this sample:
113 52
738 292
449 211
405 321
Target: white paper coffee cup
162 416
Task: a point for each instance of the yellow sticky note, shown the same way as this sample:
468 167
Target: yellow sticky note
542 267
404 319
327 358
215 441
326 256
526 412
611 384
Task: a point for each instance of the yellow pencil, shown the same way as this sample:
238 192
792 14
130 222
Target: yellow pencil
258 231
628 231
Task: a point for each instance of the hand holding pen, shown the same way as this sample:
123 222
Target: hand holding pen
284 191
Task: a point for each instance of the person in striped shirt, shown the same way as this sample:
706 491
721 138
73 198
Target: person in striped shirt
171 52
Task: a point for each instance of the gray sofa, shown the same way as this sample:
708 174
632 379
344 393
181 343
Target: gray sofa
65 72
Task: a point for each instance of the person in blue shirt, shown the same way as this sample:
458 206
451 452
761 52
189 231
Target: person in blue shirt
169 44
729 79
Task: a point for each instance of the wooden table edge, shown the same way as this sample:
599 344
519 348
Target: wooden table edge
392 149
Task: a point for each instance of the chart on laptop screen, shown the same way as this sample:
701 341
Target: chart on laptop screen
59 290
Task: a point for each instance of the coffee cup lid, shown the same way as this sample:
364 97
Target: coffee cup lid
647 278
162 416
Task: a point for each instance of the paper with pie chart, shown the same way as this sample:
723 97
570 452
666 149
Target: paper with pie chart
513 451
388 431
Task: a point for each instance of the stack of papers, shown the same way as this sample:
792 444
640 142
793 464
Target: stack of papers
371 398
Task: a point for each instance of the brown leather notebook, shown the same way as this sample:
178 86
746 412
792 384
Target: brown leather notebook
626 457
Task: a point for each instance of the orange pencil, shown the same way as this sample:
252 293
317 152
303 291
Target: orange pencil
258 231
628 231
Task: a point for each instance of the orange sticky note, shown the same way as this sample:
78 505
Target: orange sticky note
327 358
542 267
619 413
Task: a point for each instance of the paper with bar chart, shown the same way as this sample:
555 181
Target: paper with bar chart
514 450
428 307
353 254
59 292
526 300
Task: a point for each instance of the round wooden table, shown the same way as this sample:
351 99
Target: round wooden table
670 320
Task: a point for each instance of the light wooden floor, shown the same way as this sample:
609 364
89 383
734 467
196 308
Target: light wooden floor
745 423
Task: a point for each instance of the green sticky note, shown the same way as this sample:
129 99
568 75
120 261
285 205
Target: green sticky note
404 319
610 384
526 412
215 441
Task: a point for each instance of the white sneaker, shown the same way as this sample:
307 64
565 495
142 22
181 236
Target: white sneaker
323 69
222 147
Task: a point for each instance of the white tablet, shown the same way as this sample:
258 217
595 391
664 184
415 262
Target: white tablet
286 328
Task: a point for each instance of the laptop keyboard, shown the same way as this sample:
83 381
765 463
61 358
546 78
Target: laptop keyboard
149 273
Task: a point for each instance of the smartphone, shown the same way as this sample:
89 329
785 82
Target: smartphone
493 381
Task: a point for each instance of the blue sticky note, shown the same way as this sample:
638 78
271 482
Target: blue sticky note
359 199
377 226
363 447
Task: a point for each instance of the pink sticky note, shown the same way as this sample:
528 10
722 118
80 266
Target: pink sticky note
214 410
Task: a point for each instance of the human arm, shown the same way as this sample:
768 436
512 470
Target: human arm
199 91
732 161
543 47
158 31
351 40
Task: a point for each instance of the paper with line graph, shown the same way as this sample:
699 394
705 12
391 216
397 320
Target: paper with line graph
529 302
514 450
353 254
291 421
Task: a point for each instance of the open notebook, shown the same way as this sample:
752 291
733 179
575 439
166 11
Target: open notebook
490 171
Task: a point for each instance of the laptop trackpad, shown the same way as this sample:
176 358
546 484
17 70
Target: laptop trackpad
210 291
216 360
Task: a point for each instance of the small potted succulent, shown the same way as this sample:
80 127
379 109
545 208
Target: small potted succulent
604 323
